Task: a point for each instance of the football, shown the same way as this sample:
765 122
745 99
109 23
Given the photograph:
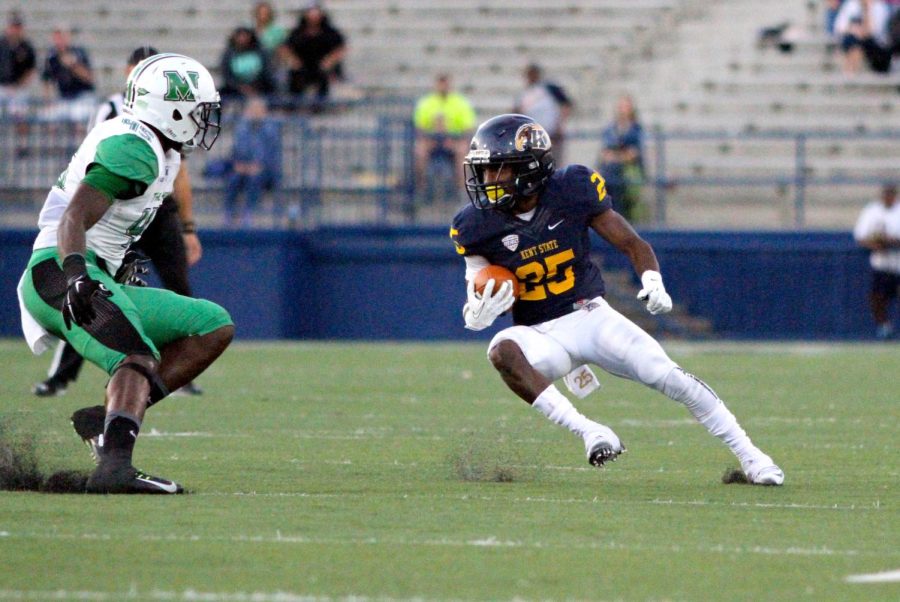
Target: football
499 274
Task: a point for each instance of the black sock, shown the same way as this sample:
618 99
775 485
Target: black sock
119 436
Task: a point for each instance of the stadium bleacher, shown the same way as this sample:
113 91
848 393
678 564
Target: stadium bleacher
691 66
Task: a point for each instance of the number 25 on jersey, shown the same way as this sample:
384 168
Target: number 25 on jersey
548 275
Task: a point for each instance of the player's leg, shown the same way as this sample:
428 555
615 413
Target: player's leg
115 342
423 147
190 333
883 290
163 243
231 202
616 344
64 369
529 362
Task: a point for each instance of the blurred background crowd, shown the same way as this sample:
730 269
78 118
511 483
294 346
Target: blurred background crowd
355 111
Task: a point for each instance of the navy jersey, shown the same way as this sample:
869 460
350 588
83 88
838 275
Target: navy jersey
550 254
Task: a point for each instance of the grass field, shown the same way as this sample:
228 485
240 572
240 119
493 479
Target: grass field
399 471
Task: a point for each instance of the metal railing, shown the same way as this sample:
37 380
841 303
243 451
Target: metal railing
798 170
357 156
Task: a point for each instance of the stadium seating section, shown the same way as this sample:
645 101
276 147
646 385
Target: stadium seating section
692 66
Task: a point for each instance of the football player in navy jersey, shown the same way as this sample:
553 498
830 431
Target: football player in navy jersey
536 220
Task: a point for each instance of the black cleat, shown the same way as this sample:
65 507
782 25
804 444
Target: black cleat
603 453
118 476
603 446
49 388
88 423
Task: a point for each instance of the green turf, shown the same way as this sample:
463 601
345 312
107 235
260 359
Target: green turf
395 471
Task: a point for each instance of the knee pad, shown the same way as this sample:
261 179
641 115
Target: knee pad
158 389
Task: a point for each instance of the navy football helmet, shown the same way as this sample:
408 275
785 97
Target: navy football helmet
510 140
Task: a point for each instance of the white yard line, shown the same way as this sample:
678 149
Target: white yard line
480 542
595 500
188 595
885 577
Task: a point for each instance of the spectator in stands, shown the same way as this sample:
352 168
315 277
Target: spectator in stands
832 7
548 104
246 66
17 67
622 158
256 162
444 121
862 27
878 230
270 34
314 51
68 70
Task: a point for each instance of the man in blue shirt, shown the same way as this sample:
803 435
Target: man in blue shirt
256 161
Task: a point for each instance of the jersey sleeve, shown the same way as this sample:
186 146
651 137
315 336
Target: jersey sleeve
129 157
463 233
587 191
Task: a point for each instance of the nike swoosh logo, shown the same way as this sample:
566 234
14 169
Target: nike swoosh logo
167 487
556 224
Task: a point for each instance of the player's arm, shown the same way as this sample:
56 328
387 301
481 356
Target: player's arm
184 197
102 184
85 209
618 232
480 310
90 201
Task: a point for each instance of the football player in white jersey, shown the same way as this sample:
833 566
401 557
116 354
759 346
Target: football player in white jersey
170 242
150 341
534 220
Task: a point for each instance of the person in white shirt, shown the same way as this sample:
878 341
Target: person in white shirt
878 229
861 28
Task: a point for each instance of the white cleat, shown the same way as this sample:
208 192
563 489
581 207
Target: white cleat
761 470
602 445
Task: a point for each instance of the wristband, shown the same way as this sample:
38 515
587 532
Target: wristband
74 266
188 227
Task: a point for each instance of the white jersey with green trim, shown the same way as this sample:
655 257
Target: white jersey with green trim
125 220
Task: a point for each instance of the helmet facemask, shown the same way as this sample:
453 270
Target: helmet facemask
500 193
208 118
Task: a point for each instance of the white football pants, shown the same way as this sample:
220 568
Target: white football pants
604 337
600 336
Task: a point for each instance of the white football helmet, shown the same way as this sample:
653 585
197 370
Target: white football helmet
176 95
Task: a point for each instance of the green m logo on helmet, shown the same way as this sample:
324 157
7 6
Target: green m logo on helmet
178 89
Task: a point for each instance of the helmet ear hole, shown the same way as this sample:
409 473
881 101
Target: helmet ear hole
176 115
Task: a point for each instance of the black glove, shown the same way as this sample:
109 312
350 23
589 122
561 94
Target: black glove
134 265
80 291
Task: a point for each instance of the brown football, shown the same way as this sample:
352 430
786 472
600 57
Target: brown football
499 274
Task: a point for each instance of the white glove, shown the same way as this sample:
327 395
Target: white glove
654 293
480 311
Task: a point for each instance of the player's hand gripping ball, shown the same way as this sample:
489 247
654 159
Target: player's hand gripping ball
500 274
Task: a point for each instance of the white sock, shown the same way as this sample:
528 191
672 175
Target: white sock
709 411
555 406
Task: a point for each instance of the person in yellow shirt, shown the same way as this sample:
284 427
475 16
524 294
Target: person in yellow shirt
444 121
